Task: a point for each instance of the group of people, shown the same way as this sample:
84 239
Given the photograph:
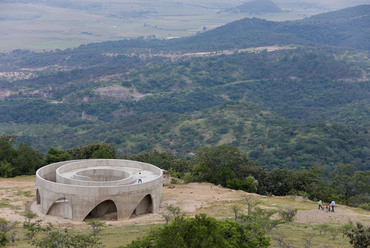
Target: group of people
328 207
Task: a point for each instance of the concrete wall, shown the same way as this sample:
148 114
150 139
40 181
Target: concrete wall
56 181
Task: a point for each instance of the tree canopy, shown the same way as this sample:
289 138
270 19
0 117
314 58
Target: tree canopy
203 231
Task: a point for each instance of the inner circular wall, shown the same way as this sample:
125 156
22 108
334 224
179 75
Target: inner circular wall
105 175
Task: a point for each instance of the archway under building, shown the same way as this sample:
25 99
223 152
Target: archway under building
106 210
61 207
145 206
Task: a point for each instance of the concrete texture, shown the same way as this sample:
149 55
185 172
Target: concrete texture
81 189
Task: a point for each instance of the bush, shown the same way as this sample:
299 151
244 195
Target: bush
359 236
249 184
203 231
3 239
174 181
365 206
288 214
188 177
50 236
322 228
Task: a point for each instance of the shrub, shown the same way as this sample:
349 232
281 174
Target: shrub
359 236
288 214
203 231
3 239
188 177
323 228
365 206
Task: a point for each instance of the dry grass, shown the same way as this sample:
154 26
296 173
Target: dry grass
298 234
115 236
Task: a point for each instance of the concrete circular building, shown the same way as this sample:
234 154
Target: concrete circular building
81 189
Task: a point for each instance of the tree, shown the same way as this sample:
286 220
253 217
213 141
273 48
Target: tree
103 152
236 209
362 191
6 169
262 217
54 155
343 178
7 151
345 228
50 236
96 226
171 212
3 239
203 231
5 227
288 214
220 163
28 212
280 181
251 202
306 181
359 236
163 160
93 150
323 228
28 160
249 184
224 175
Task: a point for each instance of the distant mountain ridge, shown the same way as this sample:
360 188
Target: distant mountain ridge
346 28
343 28
257 7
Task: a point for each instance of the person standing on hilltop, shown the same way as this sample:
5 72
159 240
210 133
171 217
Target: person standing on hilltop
320 205
332 205
139 180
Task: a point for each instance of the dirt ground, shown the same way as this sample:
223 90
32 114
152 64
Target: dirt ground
192 198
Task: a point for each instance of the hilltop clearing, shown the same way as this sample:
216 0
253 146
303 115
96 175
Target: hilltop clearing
192 198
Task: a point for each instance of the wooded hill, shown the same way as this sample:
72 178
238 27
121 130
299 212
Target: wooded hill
304 104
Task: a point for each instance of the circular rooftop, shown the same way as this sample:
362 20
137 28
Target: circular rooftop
75 189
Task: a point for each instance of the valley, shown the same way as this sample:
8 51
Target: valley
261 97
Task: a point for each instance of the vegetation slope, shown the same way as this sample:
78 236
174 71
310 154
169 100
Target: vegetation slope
304 104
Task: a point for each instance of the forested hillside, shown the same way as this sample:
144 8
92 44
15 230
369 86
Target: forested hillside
303 101
346 28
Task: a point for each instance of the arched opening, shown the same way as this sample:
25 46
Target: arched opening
61 207
38 200
145 206
106 210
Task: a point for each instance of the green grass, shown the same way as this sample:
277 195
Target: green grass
26 193
293 233
115 236
31 178
297 234
111 236
5 203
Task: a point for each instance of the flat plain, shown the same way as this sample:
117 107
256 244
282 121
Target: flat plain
48 25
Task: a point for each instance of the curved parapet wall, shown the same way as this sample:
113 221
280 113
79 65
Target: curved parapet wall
80 188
